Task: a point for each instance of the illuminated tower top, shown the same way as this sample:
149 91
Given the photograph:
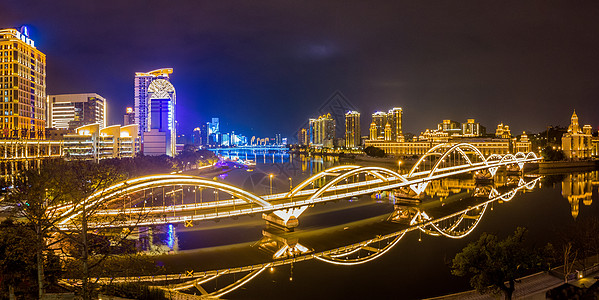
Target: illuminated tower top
574 127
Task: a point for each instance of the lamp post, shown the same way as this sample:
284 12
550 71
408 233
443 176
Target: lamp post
290 188
270 178
399 167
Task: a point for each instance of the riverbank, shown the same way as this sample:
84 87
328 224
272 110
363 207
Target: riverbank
546 167
538 285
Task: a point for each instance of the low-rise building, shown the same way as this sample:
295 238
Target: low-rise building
89 142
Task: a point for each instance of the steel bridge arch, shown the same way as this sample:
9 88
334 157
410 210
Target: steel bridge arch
334 259
367 170
456 147
334 171
153 181
450 233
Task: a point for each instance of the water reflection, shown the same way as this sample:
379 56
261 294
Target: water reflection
456 220
577 187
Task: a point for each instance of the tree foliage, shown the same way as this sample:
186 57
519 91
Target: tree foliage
494 265
551 154
374 151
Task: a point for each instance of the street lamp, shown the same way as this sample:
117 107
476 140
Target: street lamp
270 177
399 166
290 188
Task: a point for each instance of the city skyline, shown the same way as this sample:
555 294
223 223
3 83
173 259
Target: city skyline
495 63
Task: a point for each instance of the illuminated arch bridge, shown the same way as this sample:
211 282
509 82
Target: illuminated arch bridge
456 225
178 198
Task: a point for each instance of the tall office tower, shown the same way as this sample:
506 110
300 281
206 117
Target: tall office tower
129 116
324 131
278 140
69 111
379 118
141 107
214 132
22 86
352 129
394 119
155 100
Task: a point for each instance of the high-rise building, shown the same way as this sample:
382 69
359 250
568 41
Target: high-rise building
214 136
129 116
379 118
22 86
352 129
69 111
394 119
323 130
155 100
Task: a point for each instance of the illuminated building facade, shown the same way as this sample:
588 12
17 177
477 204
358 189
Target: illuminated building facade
503 131
450 127
473 129
323 130
394 118
302 137
577 142
579 187
155 101
214 136
352 129
523 145
373 131
69 111
129 116
379 119
22 86
91 142
486 146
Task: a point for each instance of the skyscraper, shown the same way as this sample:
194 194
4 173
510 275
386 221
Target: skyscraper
323 130
22 85
69 111
395 114
155 100
379 118
393 118
352 129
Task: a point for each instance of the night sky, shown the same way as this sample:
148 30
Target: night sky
264 67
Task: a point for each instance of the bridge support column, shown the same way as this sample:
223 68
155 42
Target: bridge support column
286 219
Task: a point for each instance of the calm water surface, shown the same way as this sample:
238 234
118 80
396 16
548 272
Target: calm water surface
416 267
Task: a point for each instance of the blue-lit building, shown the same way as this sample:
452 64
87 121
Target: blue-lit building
155 100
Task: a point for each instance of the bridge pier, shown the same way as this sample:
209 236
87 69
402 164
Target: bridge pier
286 219
280 246
274 221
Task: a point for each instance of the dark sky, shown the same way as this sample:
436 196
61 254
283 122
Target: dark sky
266 66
